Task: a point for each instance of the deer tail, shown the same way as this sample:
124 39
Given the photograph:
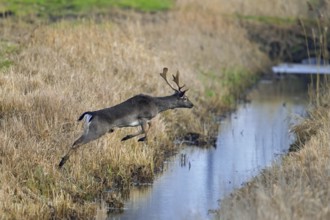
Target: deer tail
88 115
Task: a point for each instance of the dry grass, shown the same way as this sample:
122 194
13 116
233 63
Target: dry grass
64 69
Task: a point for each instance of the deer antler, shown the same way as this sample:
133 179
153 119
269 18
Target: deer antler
176 79
163 75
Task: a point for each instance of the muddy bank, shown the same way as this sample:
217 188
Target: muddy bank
291 40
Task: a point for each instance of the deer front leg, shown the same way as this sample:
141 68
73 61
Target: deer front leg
131 135
145 128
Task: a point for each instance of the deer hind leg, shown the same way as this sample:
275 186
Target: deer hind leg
80 141
91 133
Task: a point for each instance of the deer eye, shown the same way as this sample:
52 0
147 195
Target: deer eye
184 98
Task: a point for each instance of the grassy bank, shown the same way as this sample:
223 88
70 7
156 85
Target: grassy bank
62 69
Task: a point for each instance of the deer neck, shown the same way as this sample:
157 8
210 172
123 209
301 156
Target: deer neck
166 102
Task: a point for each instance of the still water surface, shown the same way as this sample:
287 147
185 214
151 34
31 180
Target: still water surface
250 139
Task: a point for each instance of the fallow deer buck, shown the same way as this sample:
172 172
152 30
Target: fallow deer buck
136 111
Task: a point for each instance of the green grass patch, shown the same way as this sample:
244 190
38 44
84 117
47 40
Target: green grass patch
227 85
5 64
210 93
44 8
145 5
268 19
236 80
212 80
6 49
40 182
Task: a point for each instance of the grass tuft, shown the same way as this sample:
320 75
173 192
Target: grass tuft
6 49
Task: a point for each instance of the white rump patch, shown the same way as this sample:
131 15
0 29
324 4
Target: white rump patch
87 119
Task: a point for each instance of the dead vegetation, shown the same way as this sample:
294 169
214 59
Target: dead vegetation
69 67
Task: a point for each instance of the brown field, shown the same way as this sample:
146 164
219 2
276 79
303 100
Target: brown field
62 69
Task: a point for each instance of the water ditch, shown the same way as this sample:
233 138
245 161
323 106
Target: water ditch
250 139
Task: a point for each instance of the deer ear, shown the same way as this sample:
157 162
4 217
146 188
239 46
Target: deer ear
181 93
184 92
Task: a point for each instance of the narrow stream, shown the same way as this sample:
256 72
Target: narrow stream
250 139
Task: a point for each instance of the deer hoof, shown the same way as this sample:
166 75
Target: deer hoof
64 159
142 139
126 138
